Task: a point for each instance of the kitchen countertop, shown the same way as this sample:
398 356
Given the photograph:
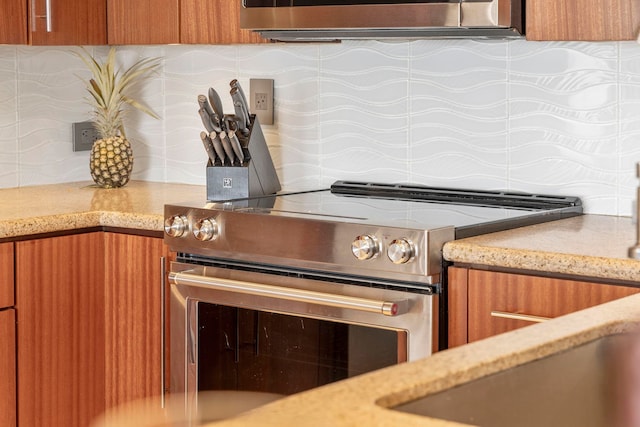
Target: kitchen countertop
593 246
58 207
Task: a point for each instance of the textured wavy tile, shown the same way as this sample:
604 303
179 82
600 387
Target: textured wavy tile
629 153
8 118
459 113
364 111
564 121
294 138
541 117
190 71
51 98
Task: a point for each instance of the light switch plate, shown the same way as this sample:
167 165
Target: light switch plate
84 135
261 100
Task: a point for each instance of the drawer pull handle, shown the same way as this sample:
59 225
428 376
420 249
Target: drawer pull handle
516 316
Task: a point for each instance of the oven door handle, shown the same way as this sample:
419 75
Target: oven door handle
387 308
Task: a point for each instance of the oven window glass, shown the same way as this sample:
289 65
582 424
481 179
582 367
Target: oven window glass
249 350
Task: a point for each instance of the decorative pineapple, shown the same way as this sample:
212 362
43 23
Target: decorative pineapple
111 160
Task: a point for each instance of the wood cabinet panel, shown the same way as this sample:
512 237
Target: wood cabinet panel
582 19
73 22
213 22
6 275
13 22
60 310
457 306
143 21
8 368
528 295
133 295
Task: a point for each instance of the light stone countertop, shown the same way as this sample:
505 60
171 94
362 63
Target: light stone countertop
593 246
58 207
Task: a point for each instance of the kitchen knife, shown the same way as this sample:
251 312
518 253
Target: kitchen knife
204 103
236 84
242 118
208 146
217 146
216 104
235 145
238 97
206 120
226 145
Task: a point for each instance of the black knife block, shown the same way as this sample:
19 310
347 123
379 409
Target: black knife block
255 177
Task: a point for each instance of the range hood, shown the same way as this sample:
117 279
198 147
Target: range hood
330 20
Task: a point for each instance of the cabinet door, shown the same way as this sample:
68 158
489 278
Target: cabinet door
8 368
72 22
213 22
582 19
6 275
133 294
13 22
60 310
497 300
143 21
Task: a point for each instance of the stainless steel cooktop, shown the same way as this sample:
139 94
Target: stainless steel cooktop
390 232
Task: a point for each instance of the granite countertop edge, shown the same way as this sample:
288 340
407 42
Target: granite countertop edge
588 246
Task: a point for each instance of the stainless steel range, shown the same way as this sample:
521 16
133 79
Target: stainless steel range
287 292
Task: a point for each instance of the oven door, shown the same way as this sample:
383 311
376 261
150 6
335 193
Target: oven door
251 331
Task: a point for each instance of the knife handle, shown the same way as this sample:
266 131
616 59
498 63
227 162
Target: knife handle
206 120
238 98
226 145
235 145
240 118
217 146
236 84
208 147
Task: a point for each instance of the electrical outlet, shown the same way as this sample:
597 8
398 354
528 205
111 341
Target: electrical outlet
84 135
261 100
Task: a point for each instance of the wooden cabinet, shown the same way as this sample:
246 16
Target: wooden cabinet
177 21
7 338
485 303
8 368
61 340
213 22
587 20
143 21
71 22
13 22
133 295
6 275
88 307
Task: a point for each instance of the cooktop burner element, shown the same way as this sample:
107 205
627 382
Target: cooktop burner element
367 230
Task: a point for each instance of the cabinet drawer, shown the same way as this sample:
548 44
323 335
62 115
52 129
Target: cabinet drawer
6 275
500 302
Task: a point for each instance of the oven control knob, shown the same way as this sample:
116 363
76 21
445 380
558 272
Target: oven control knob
401 251
205 229
176 225
365 247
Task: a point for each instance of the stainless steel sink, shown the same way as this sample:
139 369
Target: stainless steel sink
572 388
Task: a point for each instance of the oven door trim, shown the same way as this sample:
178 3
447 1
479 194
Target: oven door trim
418 319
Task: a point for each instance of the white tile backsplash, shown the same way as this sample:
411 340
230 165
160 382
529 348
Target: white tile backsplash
558 118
